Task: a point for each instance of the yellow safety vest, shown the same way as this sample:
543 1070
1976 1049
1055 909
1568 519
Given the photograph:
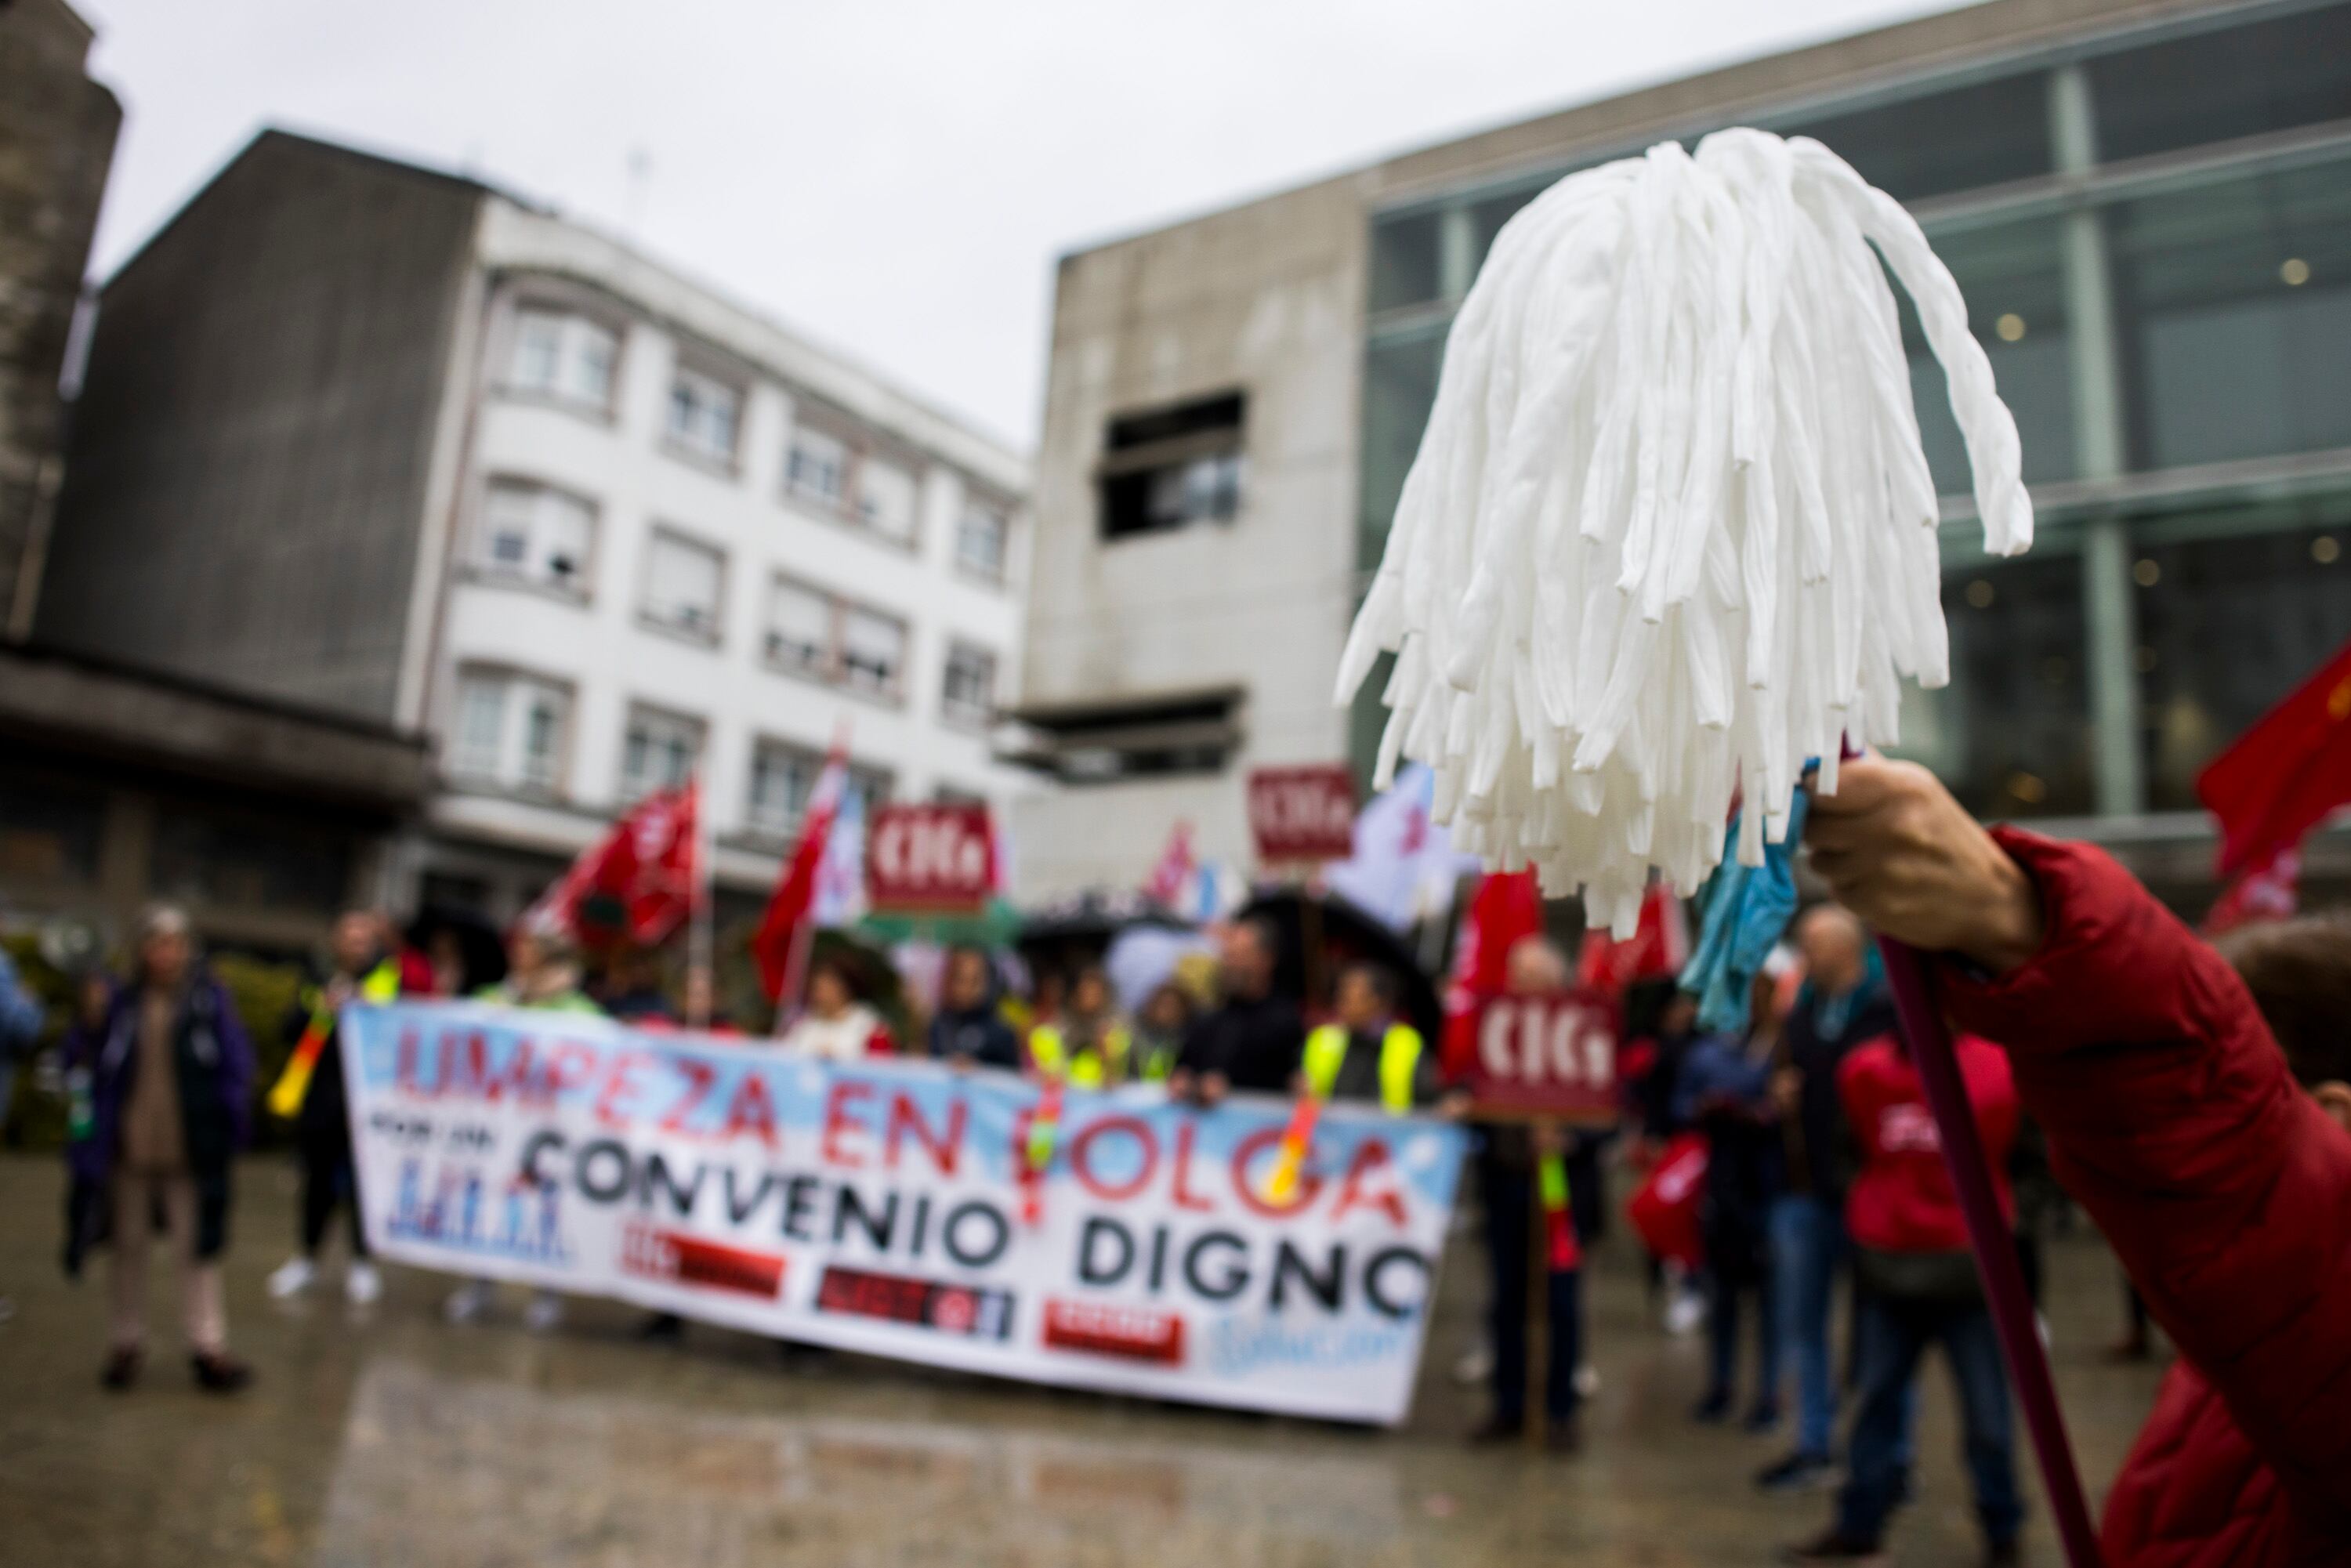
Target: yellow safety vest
378 986
1049 1048
1326 1048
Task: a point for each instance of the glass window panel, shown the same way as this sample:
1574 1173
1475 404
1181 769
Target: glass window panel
980 541
1399 389
569 525
658 752
542 741
1404 261
2010 735
595 350
782 778
49 832
1487 218
1987 133
886 498
800 625
248 862
2234 304
538 352
2012 277
873 649
481 723
682 581
816 465
2278 604
2218 85
970 690
702 414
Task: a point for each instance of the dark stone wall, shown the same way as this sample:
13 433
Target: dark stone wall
248 475
57 139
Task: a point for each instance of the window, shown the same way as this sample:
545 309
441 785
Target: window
872 650
682 580
2215 86
817 468
800 626
537 534
782 778
2233 303
1162 736
565 356
1961 138
659 753
1405 269
970 690
886 499
983 539
871 787
510 729
248 862
2011 734
2277 601
1399 390
703 415
1173 467
50 829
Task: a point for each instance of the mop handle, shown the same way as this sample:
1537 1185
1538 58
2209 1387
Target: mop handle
2003 1281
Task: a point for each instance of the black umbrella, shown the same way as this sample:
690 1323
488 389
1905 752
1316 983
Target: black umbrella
481 950
1343 933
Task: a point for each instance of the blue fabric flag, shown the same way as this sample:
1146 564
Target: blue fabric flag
1747 912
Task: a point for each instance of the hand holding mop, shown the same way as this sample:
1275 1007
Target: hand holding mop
1671 536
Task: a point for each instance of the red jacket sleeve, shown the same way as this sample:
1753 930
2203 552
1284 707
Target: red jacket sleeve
2172 1118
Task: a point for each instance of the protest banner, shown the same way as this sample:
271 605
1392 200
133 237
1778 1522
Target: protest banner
877 1206
1546 1057
930 858
1302 815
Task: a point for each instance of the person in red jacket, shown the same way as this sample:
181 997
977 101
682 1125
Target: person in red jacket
1917 1286
2218 1164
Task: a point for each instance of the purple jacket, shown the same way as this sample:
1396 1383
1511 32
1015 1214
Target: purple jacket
215 1065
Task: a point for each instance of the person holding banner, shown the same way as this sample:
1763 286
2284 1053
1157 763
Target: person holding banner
542 976
969 1028
1250 1039
837 1026
171 1105
2199 1112
1367 1054
310 1093
1090 1046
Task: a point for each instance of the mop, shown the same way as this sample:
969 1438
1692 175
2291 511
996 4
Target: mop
1670 542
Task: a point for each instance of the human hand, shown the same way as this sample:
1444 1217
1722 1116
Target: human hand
1907 859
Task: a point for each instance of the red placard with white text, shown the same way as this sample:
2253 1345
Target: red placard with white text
930 858
1550 1058
1299 814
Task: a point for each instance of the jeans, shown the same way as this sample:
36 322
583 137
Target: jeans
1724 1289
1807 1244
1892 1337
1510 1217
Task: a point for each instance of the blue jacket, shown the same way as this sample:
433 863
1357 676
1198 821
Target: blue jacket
215 1062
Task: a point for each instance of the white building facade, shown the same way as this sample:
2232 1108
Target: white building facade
682 541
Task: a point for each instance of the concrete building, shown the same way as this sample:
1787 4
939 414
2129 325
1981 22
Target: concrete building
119 784
2148 205
388 442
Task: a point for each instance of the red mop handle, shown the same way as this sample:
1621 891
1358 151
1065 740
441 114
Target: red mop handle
2003 1281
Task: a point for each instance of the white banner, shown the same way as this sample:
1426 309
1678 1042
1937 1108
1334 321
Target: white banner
888 1208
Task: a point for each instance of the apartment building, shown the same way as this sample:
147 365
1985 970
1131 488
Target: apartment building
389 443
2147 204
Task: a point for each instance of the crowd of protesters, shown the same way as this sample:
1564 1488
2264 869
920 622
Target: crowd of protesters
2102 1046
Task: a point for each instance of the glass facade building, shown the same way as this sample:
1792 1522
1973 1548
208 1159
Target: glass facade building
2153 231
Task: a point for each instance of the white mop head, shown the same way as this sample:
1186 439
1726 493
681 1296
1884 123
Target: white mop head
1670 530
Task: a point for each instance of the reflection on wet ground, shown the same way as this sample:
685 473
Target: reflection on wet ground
394 1440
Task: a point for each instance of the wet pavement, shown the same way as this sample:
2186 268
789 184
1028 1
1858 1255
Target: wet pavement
388 1437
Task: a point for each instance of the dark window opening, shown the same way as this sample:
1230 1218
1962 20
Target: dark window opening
1960 139
1169 736
2248 80
1168 468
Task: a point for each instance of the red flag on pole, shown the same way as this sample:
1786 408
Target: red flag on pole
1166 880
781 945
636 882
2286 774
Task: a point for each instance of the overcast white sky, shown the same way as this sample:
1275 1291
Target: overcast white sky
893 177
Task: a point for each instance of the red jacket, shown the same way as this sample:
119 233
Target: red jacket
2227 1192
1901 1200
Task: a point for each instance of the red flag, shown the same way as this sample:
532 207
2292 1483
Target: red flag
1656 952
780 946
2286 774
1507 907
636 882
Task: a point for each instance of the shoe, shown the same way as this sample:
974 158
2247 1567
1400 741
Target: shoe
293 1277
1474 1365
661 1328
121 1369
1713 1409
1684 1314
1834 1545
363 1283
1499 1429
467 1301
1798 1472
218 1371
545 1313
2004 1554
1587 1381
1764 1416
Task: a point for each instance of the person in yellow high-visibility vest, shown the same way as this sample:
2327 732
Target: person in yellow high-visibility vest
309 1094
1089 1046
1365 1052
